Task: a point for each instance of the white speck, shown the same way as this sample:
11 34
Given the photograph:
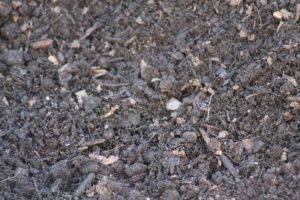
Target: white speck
173 104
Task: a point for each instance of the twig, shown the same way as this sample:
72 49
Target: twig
228 164
89 31
12 177
82 187
37 189
91 143
114 84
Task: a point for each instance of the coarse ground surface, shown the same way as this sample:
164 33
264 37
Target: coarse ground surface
167 99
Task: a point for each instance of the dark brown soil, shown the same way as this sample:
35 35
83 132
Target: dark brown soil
167 99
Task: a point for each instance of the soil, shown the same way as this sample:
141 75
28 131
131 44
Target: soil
152 99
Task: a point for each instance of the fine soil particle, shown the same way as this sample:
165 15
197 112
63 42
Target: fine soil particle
149 99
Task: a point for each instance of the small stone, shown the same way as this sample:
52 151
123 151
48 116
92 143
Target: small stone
80 96
284 156
148 72
12 57
5 9
190 136
269 60
171 194
16 4
173 104
75 44
139 21
24 27
177 56
263 2
180 120
243 34
223 134
10 30
236 87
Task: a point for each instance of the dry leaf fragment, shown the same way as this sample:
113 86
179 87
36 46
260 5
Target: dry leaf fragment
282 14
298 12
104 160
16 4
295 104
277 14
111 112
291 79
53 60
243 34
42 44
179 153
223 134
80 96
98 71
235 2
287 116
75 44
290 46
249 10
286 14
248 144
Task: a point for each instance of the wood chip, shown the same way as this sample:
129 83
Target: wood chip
179 153
223 134
90 30
93 142
80 96
269 60
53 60
75 44
277 14
235 2
291 79
84 185
298 12
228 164
104 160
283 14
111 112
287 116
42 44
98 71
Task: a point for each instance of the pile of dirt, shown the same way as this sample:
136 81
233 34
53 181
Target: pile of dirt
149 99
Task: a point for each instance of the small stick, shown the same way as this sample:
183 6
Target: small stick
93 142
114 84
37 189
228 164
86 183
90 30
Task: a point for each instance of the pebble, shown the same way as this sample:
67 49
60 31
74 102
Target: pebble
12 57
173 104
10 31
136 168
5 9
171 194
190 136
148 72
